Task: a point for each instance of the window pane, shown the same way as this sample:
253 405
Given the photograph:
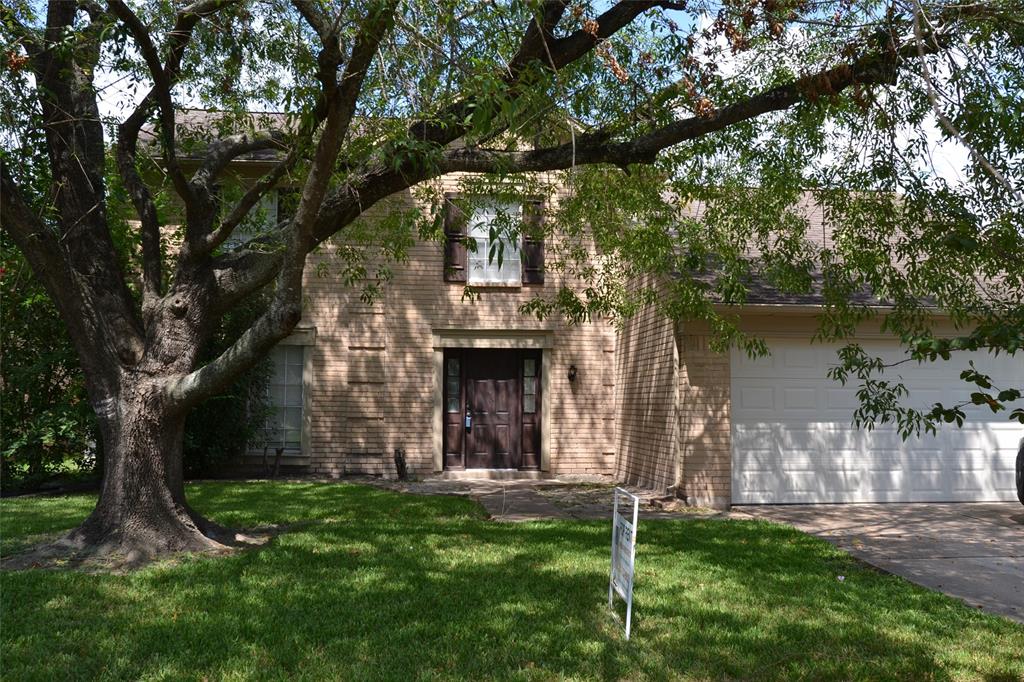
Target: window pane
275 420
453 367
295 354
293 418
529 367
293 396
261 219
277 362
529 385
294 375
529 404
502 220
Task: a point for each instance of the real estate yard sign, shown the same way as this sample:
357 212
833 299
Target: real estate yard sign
623 552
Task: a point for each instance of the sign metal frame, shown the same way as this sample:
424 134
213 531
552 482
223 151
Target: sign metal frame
620 580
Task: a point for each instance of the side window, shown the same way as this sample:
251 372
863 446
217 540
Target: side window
529 385
285 398
453 387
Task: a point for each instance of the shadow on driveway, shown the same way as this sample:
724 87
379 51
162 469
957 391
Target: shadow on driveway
973 551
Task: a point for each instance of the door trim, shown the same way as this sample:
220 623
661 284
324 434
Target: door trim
540 339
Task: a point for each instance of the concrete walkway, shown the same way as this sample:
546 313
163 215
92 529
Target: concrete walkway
973 551
545 499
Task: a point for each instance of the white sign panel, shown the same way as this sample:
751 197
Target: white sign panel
623 551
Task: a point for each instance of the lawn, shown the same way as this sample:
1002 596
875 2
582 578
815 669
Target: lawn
369 584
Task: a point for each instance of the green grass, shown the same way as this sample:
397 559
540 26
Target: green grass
384 586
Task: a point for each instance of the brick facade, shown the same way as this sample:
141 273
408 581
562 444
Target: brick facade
673 417
647 367
375 383
649 405
705 449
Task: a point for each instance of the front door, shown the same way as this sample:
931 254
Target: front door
490 423
492 400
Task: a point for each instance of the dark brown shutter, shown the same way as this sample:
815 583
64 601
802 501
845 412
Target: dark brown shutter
533 242
455 264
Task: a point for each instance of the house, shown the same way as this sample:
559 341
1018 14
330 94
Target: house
476 388
470 388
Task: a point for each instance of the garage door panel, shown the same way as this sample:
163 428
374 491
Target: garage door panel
796 460
799 399
886 479
841 399
757 399
793 440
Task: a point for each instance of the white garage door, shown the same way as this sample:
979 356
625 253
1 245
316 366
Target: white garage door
793 440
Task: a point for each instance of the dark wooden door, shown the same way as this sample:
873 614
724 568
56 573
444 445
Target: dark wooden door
492 399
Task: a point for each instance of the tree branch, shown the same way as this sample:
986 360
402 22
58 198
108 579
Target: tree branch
26 35
164 78
163 81
599 147
241 208
285 308
164 75
42 248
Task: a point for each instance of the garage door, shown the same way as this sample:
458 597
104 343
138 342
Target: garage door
793 441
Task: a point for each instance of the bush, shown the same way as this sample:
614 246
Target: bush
47 425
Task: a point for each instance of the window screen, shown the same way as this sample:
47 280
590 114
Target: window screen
284 393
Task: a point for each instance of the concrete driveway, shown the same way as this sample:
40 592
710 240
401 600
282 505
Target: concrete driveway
973 551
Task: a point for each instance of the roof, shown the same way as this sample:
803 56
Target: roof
759 290
193 126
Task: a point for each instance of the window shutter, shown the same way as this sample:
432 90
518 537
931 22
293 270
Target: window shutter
455 265
533 243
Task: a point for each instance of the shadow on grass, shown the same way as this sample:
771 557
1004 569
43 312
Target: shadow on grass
386 586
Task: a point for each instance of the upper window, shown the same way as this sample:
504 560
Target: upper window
285 399
261 219
496 259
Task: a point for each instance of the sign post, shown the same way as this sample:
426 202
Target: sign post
623 552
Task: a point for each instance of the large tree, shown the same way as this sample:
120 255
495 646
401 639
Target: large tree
643 109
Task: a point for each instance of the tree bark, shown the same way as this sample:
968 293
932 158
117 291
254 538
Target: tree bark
142 512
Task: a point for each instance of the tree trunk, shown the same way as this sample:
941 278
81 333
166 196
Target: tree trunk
142 510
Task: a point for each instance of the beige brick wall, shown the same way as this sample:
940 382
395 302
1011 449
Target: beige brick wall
673 416
705 448
373 387
647 384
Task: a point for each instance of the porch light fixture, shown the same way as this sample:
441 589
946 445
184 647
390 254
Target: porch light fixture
572 372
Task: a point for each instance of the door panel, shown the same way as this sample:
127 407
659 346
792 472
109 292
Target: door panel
492 398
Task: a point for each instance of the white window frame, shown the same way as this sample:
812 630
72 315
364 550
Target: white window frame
304 337
481 270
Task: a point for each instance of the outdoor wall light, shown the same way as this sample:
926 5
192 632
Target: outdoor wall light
572 372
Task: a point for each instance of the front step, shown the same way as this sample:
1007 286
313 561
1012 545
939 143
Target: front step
491 475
